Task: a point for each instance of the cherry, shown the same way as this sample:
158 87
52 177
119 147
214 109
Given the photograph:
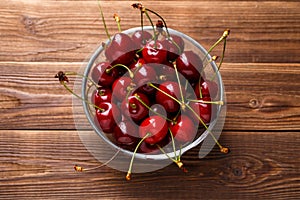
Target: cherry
148 148
156 126
107 117
102 76
208 88
183 129
126 133
140 37
165 71
189 64
154 52
101 95
204 110
142 76
174 45
121 50
171 88
121 87
132 107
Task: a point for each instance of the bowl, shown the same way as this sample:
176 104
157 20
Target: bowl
100 144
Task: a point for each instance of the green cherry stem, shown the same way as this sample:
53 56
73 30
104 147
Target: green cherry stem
128 176
103 20
207 102
176 160
178 80
165 24
221 61
118 20
149 108
154 33
181 103
79 97
121 65
81 169
222 149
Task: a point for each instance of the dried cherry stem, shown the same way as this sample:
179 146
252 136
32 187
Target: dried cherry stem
81 169
121 65
128 176
118 20
103 20
63 79
149 108
222 149
182 104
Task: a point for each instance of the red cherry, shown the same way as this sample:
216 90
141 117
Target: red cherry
183 130
120 87
101 76
121 50
154 52
156 126
172 89
142 76
165 71
204 110
189 65
135 65
140 38
172 50
125 133
133 108
101 95
208 88
148 148
107 117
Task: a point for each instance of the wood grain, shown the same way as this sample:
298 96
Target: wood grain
38 164
70 30
258 93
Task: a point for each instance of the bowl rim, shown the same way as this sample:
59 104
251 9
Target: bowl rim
161 156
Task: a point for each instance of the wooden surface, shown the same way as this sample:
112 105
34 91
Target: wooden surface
38 140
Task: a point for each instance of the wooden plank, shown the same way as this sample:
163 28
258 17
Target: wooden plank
70 30
259 96
261 165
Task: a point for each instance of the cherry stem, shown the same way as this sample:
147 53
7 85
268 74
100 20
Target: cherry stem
181 103
81 169
221 61
154 33
121 65
207 102
222 149
128 176
103 21
76 95
165 24
144 104
178 80
173 144
118 20
77 74
176 160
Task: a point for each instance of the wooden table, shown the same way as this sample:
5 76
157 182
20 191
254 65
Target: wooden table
39 143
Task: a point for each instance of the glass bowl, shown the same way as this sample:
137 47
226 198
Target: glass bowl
103 148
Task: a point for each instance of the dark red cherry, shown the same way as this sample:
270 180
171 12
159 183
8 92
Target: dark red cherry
148 148
134 109
121 87
101 95
172 89
107 117
174 46
204 110
140 38
142 76
208 88
121 50
126 133
154 52
189 64
165 71
183 129
101 76
156 127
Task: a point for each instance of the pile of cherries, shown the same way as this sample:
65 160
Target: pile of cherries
150 87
